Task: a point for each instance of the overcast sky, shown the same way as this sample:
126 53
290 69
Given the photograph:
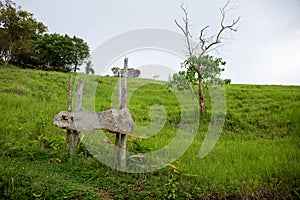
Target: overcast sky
264 50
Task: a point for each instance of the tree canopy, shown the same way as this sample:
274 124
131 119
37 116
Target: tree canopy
210 67
18 29
24 42
62 52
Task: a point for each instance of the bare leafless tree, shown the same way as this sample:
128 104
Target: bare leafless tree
205 44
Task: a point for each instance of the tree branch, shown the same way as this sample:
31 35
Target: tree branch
211 43
186 31
206 47
201 38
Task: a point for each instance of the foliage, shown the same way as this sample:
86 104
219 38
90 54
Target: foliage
61 52
18 29
227 81
131 72
88 67
201 71
180 80
210 69
136 144
172 188
23 43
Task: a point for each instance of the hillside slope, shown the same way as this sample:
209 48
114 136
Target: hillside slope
257 155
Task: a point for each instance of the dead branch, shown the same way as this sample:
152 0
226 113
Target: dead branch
186 30
231 27
206 44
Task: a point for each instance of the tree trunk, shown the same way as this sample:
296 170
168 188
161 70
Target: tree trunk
7 56
75 68
201 96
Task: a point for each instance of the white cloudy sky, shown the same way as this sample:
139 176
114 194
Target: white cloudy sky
265 50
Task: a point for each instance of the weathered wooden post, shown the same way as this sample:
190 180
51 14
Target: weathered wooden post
78 106
120 141
75 133
68 134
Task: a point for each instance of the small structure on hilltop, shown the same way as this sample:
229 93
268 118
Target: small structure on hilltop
155 76
117 121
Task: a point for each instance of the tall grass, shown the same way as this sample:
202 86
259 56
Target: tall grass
257 155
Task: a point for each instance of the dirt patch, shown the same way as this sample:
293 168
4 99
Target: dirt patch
105 195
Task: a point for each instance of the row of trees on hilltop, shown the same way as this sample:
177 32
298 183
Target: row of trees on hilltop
131 72
25 42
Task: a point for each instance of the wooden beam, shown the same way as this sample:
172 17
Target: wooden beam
112 120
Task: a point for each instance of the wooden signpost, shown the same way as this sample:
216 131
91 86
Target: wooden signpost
117 121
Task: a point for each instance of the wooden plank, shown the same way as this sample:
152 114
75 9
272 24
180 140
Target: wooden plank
112 120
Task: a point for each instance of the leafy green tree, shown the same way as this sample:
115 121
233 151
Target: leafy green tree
18 29
200 66
60 52
180 80
88 67
210 69
116 71
131 72
80 52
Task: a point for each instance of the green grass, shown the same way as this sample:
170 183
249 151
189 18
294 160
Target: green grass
257 155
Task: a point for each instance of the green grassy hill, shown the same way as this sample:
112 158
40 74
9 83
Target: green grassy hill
257 155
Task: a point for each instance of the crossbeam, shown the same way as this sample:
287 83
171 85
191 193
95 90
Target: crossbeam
112 120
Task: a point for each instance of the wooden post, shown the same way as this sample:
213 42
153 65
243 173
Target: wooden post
122 144
116 151
118 138
79 94
120 88
120 141
122 151
68 142
124 86
78 106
